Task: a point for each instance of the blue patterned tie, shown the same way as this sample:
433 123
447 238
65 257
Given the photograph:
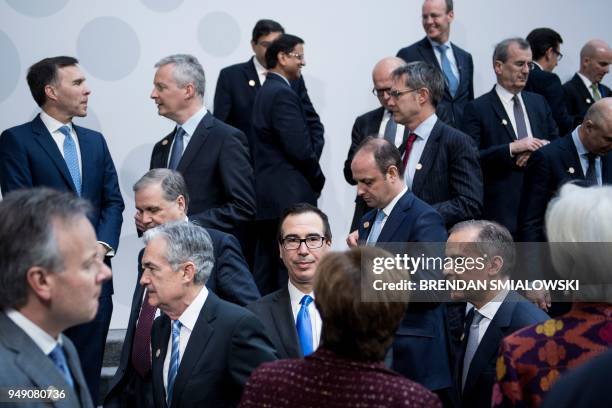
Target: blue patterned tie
303 325
59 359
71 158
174 359
177 148
376 228
451 79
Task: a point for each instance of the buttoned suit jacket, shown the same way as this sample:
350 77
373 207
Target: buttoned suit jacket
235 95
578 98
227 343
24 365
450 109
287 167
274 311
487 122
513 314
218 173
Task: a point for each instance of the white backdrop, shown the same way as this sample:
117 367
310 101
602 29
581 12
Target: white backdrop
118 41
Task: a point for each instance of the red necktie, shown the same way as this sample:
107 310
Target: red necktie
411 138
141 348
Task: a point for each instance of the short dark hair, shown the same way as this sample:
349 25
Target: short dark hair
28 220
43 73
353 327
385 154
285 43
541 39
264 27
500 53
171 181
301 208
421 74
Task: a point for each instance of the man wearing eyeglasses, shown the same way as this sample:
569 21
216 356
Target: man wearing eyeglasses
287 167
507 126
289 315
546 48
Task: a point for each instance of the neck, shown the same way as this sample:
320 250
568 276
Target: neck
279 71
425 113
586 75
57 115
305 288
184 115
442 39
175 311
37 314
544 64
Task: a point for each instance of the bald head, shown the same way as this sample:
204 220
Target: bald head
381 76
595 59
596 130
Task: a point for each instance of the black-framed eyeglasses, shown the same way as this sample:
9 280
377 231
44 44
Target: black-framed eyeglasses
311 241
300 57
395 94
381 92
558 54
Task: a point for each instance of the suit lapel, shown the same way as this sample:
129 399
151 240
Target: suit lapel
460 60
500 111
585 94
285 325
606 168
77 374
87 148
195 144
532 111
159 347
570 159
427 52
427 158
395 218
366 225
251 75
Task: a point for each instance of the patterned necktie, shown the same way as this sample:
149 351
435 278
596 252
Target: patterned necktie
174 359
596 93
519 118
59 359
591 174
71 158
177 148
451 79
304 326
376 228
472 343
141 347
411 138
390 130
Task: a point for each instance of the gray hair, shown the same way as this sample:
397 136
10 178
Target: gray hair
420 74
187 70
171 182
500 53
28 223
186 242
493 239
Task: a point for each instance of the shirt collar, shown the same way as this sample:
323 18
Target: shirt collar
191 314
578 143
387 210
435 44
425 127
192 123
587 81
504 94
276 73
490 308
40 337
258 67
295 294
51 123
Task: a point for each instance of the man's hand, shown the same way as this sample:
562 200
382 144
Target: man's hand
140 226
528 144
352 239
522 158
540 298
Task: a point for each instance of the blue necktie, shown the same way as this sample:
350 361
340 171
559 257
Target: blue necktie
59 359
376 228
71 158
174 359
303 326
451 79
177 148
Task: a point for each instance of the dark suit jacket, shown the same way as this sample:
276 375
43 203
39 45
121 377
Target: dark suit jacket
218 173
230 279
513 314
25 366
578 98
274 311
227 343
486 121
549 168
287 167
29 158
449 109
235 96
549 86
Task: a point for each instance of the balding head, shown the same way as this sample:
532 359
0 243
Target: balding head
381 76
595 59
596 130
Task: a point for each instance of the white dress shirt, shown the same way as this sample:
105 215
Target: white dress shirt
189 127
506 99
53 126
40 337
422 131
587 82
295 296
399 132
488 312
261 71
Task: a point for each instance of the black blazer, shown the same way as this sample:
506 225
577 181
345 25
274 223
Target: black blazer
449 109
287 167
235 95
578 98
274 311
486 121
549 86
549 168
218 173
513 314
227 343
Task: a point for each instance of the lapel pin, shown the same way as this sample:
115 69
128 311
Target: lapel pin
418 166
164 142
588 100
504 122
571 170
462 336
157 353
366 224
251 83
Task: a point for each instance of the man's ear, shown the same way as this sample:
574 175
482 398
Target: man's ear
189 271
180 201
40 282
50 92
496 263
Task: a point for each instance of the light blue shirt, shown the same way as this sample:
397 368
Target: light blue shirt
189 127
584 160
449 54
422 131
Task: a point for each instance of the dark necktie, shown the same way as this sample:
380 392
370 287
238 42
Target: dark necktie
411 138
472 342
591 174
519 118
304 326
141 347
59 359
177 148
390 130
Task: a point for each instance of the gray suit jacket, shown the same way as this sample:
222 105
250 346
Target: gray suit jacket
25 366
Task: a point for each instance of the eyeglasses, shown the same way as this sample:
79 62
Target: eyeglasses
520 64
395 94
296 55
558 54
264 44
381 92
311 241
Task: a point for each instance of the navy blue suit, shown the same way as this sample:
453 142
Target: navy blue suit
486 121
450 109
578 98
513 314
29 157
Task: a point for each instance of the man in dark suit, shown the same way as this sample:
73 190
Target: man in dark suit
455 63
546 49
585 87
161 197
494 312
212 157
51 151
400 217
507 126
286 162
204 348
52 274
304 238
376 123
440 163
